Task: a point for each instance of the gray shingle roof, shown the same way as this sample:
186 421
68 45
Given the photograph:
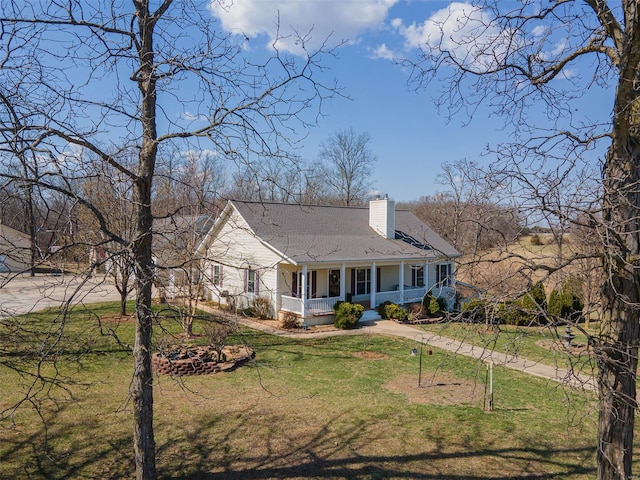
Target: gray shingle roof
175 238
314 233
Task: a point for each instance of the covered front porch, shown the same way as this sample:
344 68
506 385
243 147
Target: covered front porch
312 291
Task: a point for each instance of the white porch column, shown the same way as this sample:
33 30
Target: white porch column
374 286
453 273
277 296
343 282
427 285
304 290
401 280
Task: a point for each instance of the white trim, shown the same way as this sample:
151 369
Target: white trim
374 285
304 289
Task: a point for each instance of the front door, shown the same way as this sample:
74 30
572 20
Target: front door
334 283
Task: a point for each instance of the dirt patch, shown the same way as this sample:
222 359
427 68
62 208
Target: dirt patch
118 319
560 346
371 355
439 388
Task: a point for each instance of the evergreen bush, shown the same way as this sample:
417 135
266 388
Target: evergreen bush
396 312
475 309
347 315
528 310
433 305
382 309
566 302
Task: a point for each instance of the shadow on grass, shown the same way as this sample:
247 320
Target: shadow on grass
340 450
56 450
357 467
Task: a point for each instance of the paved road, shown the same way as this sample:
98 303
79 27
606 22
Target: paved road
22 293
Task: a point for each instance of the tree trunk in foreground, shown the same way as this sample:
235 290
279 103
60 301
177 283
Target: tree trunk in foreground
142 385
617 348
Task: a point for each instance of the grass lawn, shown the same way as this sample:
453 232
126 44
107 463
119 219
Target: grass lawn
540 344
341 407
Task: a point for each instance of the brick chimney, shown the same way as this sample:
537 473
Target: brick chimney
382 217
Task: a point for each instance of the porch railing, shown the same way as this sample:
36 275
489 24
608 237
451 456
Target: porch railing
291 304
414 295
319 306
392 296
314 306
409 295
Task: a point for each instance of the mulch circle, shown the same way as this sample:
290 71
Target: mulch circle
438 388
371 355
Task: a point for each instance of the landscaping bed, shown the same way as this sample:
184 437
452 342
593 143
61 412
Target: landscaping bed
200 360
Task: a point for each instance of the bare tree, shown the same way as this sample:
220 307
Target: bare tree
13 145
112 195
348 163
191 179
279 180
517 59
112 91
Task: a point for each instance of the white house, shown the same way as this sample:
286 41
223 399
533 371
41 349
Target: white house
304 258
15 250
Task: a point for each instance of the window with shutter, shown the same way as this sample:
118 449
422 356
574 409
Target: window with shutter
417 276
216 275
251 281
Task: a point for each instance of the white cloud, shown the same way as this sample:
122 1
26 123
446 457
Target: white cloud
539 31
557 50
466 32
199 154
569 73
383 52
190 117
314 20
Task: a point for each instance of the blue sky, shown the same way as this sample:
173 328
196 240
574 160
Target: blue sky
409 136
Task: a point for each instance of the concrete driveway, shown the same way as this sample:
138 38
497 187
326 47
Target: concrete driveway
22 293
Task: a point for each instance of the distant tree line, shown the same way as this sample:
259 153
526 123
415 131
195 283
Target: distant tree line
467 212
187 182
478 226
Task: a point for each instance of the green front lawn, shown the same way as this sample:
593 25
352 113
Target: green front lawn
540 344
340 407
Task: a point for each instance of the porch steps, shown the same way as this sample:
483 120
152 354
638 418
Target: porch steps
369 316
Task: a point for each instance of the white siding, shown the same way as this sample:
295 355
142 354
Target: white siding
236 248
15 250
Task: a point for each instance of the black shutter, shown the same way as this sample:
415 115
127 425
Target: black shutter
353 281
314 278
